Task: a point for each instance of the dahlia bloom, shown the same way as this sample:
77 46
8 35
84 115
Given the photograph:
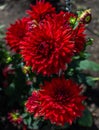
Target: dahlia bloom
60 101
16 33
14 117
41 10
48 47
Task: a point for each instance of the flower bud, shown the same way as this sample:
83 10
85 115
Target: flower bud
85 17
25 69
72 20
8 60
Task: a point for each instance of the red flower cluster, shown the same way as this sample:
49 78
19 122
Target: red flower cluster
47 42
46 39
59 101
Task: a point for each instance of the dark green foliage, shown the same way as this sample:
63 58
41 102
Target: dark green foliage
86 119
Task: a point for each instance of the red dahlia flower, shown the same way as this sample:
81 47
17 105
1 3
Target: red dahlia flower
14 117
16 33
48 48
59 101
41 10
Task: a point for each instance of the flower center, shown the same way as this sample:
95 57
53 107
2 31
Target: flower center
21 34
45 49
61 96
15 116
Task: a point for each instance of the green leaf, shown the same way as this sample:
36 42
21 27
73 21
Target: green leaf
1 32
25 115
86 120
27 119
88 65
30 120
91 80
1 27
89 41
79 13
35 124
76 25
84 55
2 36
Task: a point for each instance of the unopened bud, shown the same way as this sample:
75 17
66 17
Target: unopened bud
85 17
72 20
25 69
9 59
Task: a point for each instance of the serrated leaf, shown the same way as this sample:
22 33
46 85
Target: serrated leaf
86 120
88 65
